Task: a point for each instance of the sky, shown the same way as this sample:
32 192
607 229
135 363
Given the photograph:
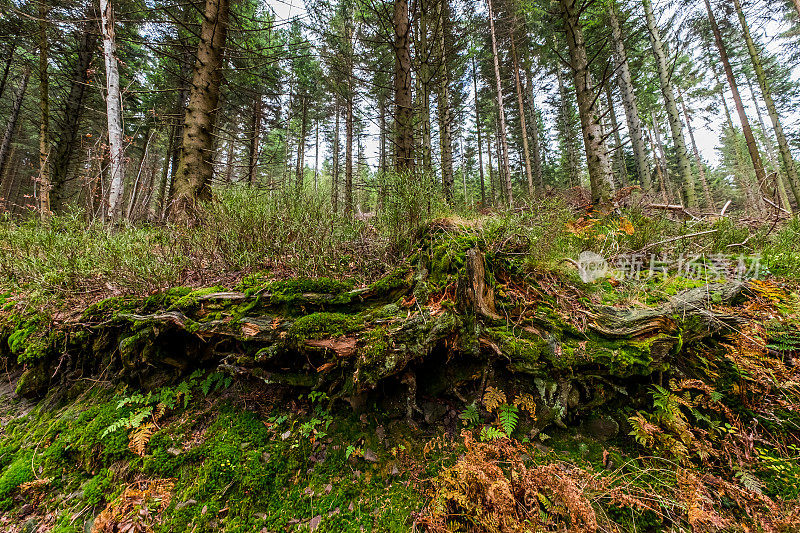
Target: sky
707 132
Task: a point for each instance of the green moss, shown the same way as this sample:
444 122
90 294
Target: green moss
324 326
13 476
400 278
190 302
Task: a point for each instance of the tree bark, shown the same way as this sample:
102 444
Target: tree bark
444 107
673 116
44 109
766 93
11 127
752 148
404 109
526 153
423 89
195 168
596 154
506 172
255 138
114 112
73 110
629 102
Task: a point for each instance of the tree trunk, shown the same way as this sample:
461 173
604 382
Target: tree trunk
11 127
526 153
673 116
478 129
629 102
766 93
404 109
195 168
423 89
797 7
44 108
444 107
255 139
502 112
68 135
752 148
572 157
301 149
114 112
596 154
698 161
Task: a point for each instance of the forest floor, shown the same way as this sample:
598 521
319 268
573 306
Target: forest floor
543 369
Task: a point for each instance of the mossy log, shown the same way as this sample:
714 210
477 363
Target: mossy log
400 337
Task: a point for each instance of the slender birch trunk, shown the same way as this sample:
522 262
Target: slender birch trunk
520 102
114 112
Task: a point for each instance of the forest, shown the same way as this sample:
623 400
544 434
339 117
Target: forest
389 265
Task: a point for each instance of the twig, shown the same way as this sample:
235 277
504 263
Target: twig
673 239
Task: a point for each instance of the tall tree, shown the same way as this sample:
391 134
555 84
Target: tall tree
766 94
444 103
629 101
404 109
520 102
752 147
600 173
195 167
673 116
114 111
505 169
44 109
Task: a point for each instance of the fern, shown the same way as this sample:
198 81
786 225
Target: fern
493 398
489 433
470 415
508 415
526 402
139 437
